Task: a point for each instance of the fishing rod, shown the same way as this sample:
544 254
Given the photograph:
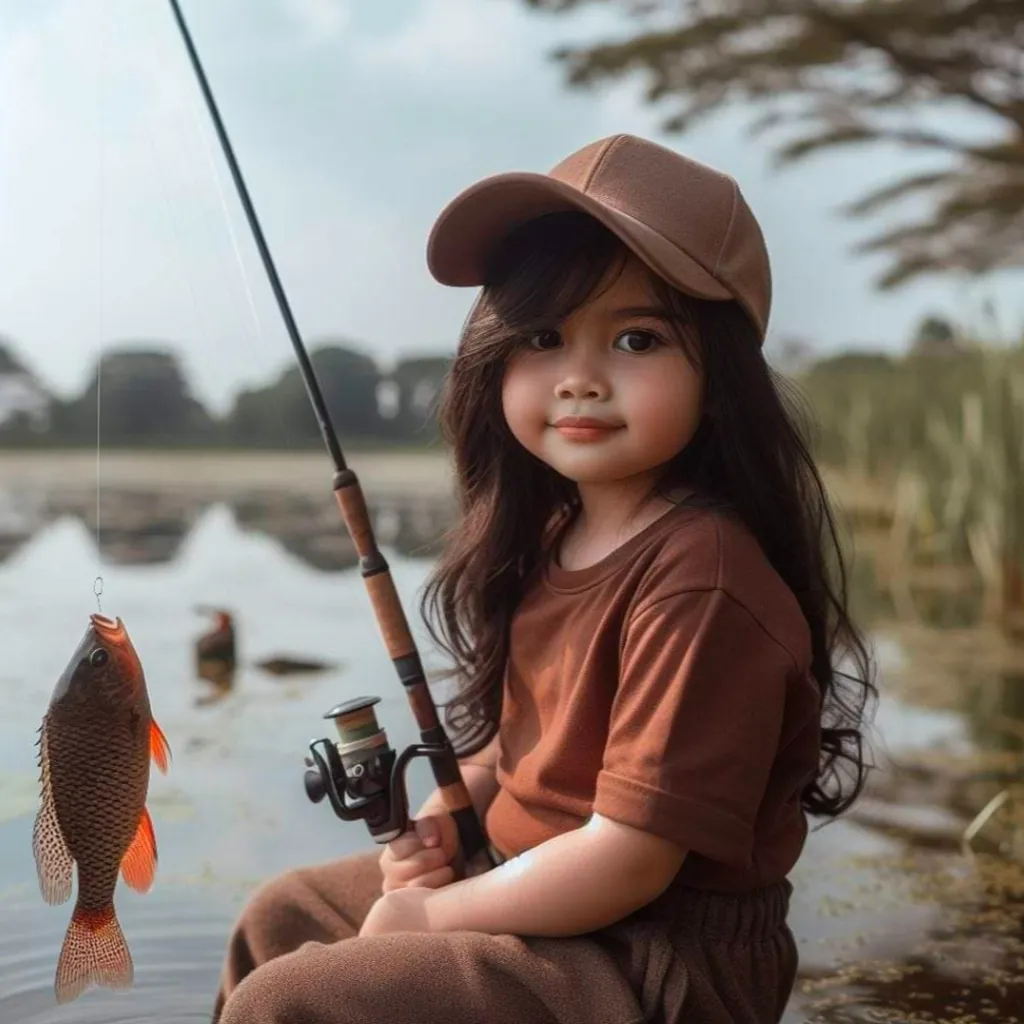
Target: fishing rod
362 776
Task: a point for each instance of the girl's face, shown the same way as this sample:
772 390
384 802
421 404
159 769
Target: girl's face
609 395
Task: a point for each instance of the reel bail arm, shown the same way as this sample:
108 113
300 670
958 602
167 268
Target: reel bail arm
361 774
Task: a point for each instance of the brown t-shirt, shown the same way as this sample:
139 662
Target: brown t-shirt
666 687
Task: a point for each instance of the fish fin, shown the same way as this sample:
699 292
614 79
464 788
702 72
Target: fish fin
159 747
53 859
94 953
138 866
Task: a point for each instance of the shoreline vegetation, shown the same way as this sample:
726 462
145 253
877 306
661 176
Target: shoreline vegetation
399 471
922 451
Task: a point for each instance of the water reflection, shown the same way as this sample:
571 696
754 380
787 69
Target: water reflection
232 809
149 527
894 921
925 939
217 656
914 925
315 533
220 675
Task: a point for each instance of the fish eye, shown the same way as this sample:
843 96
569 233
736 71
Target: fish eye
99 658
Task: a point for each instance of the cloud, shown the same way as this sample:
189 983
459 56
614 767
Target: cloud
351 137
448 43
354 124
321 20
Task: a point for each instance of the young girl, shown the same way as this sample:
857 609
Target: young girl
639 602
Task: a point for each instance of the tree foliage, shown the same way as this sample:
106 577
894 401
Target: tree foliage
280 414
420 381
144 398
832 74
9 363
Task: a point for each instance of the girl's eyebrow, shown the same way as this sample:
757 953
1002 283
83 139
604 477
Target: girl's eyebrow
650 312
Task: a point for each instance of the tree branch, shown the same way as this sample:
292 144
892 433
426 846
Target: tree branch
842 72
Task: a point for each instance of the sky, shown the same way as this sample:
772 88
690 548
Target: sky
354 122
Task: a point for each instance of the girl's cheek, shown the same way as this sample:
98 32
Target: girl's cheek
520 405
668 403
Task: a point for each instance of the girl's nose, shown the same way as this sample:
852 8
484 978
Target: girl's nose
578 385
581 377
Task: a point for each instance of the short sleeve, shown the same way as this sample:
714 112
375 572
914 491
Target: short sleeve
695 724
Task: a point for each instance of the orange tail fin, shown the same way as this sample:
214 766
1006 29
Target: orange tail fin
94 953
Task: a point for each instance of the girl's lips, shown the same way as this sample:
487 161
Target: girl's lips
584 421
584 428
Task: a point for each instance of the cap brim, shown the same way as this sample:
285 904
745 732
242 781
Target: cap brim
469 227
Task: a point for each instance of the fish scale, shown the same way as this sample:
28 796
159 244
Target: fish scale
95 744
98 830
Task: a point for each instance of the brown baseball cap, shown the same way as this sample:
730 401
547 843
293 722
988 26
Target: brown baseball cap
688 222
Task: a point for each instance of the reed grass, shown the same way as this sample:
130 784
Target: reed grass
943 437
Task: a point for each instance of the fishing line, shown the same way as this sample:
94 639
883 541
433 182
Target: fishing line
185 171
97 583
198 125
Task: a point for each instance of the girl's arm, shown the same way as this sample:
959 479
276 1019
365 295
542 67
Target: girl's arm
574 883
479 772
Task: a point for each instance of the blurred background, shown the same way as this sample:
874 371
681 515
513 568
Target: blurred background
882 148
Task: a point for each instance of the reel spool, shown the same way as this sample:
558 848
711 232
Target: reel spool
361 774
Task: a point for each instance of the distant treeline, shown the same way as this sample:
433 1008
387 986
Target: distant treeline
146 401
871 411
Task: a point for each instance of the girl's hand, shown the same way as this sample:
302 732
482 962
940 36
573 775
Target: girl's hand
401 910
423 856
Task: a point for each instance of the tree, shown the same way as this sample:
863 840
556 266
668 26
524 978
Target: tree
420 380
8 362
25 404
280 414
847 74
144 398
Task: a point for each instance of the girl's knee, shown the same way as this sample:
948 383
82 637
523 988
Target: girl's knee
273 902
263 997
307 985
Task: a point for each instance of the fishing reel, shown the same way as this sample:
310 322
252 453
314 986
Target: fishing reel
361 774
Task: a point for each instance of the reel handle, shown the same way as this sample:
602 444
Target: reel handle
363 777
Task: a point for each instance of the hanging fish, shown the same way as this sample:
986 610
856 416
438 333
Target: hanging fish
95 744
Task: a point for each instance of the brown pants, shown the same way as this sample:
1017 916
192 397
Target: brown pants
698 958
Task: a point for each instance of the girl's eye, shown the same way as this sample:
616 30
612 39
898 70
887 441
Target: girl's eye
544 341
637 342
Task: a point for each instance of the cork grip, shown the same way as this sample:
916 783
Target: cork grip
390 615
354 512
401 647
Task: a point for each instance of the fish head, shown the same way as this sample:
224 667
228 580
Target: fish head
104 666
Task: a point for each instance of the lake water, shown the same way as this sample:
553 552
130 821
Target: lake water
893 922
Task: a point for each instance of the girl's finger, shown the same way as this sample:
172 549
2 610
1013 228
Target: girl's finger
428 880
404 846
417 864
433 879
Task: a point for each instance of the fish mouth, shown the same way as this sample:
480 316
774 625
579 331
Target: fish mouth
109 629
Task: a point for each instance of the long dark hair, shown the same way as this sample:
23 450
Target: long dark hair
748 458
